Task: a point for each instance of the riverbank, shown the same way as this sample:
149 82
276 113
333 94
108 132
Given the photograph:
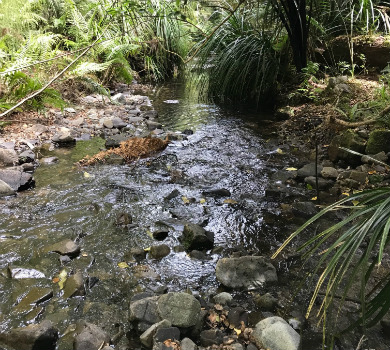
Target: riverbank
220 196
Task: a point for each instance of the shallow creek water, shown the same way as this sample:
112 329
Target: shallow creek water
227 150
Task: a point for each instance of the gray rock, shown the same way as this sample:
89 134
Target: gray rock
39 129
115 140
49 160
381 156
41 336
70 110
160 235
145 310
159 251
135 120
107 123
329 172
211 337
120 98
153 125
348 139
188 344
358 176
150 114
16 179
63 136
172 195
197 254
76 122
65 247
249 272
118 123
8 157
217 193
164 334
342 88
309 170
26 157
146 337
266 302
196 237
5 189
304 209
181 309
89 337
223 298
274 333
89 100
74 286
323 184
237 346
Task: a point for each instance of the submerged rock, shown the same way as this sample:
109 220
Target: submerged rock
249 272
35 296
274 333
217 193
196 237
90 337
41 336
74 286
21 273
65 247
181 309
159 251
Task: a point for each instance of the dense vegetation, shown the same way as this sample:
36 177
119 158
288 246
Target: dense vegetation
254 49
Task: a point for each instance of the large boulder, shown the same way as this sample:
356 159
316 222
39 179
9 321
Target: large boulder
378 141
181 309
248 272
145 311
16 179
8 157
350 140
89 337
5 189
33 337
196 237
274 333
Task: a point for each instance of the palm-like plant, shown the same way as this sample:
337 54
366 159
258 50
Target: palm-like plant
356 248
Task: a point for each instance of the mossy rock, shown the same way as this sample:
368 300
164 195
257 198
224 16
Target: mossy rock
348 139
378 141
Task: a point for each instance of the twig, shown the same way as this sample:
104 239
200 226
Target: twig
361 341
36 93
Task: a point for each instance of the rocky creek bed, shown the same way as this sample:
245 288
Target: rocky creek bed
171 251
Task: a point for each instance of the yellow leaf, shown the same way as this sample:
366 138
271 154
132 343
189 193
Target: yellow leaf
169 167
345 194
185 200
314 198
238 331
280 151
291 169
230 201
202 201
372 172
149 233
355 203
62 278
147 249
123 265
87 175
84 254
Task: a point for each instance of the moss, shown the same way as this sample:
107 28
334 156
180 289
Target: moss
378 141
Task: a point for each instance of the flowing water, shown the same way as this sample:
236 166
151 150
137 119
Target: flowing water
227 150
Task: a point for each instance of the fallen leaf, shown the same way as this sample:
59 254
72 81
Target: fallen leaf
87 175
147 249
314 198
291 169
62 278
84 254
123 265
238 331
230 201
56 280
345 194
372 172
202 201
185 200
355 203
280 151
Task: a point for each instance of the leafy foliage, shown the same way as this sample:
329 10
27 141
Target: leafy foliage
355 250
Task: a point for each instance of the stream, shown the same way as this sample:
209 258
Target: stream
227 150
